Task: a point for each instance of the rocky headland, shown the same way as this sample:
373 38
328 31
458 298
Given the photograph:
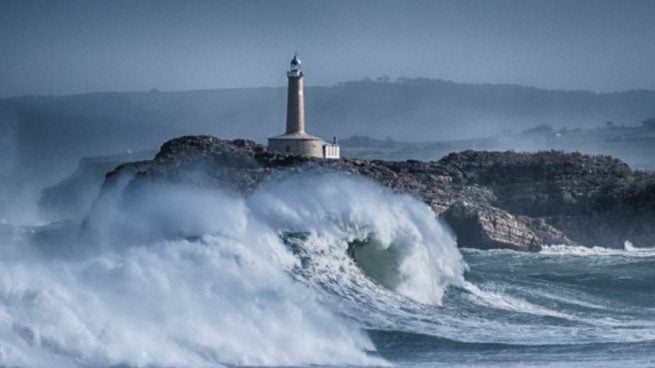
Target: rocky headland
519 201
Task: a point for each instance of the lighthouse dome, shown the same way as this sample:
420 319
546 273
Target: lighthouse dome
294 70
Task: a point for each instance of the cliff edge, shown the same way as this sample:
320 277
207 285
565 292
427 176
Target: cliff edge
519 201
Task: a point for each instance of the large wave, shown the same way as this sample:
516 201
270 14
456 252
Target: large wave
177 276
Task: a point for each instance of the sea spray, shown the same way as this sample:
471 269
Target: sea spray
394 238
179 276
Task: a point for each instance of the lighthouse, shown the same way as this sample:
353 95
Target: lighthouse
295 141
295 101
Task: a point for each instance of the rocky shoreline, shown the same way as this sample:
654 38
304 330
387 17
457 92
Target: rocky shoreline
519 201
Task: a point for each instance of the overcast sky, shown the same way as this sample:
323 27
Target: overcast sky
65 47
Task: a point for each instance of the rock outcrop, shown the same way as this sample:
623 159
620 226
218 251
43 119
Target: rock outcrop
511 200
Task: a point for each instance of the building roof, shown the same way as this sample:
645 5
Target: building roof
297 136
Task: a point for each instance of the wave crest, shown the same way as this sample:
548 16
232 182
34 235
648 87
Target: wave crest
177 276
394 239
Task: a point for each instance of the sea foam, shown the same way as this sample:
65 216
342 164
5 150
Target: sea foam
178 276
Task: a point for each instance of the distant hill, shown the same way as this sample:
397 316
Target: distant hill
634 145
49 134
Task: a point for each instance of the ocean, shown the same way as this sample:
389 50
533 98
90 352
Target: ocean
562 307
318 269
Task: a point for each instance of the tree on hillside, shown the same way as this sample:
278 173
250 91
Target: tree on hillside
649 123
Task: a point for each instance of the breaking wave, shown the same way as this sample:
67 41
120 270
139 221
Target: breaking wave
312 269
179 276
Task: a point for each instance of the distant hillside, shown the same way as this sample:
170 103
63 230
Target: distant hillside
434 110
634 145
50 134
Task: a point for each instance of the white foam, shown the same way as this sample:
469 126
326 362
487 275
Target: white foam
147 296
406 249
628 251
501 300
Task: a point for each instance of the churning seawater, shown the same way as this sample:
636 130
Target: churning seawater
315 269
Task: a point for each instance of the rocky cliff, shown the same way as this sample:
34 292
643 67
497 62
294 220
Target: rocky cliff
520 201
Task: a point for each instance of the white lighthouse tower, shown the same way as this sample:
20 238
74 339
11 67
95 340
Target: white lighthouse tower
296 141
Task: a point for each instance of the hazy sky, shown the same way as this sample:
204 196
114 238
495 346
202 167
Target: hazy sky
64 47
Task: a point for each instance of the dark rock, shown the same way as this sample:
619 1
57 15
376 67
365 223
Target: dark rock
595 200
488 227
511 200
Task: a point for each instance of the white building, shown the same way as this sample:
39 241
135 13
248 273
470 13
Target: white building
296 141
